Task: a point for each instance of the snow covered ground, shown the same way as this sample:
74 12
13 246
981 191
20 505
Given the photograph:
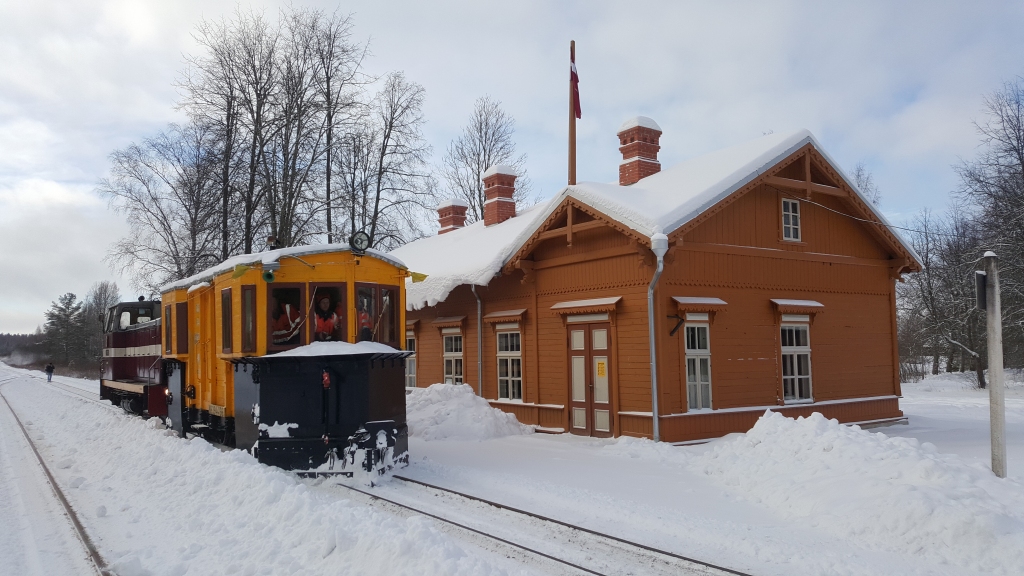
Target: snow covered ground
790 497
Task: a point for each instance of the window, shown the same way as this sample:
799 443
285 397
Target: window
285 316
377 314
410 362
796 363
510 366
225 321
168 335
453 358
181 326
698 367
329 321
248 319
791 220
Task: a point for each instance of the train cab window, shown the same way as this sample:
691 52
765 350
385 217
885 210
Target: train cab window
126 319
168 335
329 320
377 309
286 316
248 318
227 346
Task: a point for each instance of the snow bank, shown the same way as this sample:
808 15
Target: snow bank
894 493
162 505
338 349
455 412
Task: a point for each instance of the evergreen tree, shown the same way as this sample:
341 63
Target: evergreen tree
63 330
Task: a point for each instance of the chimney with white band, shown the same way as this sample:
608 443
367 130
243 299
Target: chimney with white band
451 214
638 142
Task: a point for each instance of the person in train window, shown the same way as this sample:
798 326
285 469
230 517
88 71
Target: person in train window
365 315
287 322
328 322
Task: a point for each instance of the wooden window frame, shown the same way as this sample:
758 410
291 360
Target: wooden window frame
378 298
454 357
227 324
342 288
795 352
696 355
249 319
168 331
304 316
509 357
792 227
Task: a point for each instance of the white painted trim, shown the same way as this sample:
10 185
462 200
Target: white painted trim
518 403
499 199
581 318
639 159
777 406
646 414
697 316
796 317
451 331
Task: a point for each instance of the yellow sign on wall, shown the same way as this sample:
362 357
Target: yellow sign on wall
601 371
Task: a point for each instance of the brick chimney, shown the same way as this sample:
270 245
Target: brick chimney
499 185
638 142
451 214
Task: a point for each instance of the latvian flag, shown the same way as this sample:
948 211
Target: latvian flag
575 80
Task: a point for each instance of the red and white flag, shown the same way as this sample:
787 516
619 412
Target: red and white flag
575 80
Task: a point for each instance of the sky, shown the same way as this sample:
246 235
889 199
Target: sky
895 85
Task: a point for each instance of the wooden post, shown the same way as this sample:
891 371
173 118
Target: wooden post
572 120
997 408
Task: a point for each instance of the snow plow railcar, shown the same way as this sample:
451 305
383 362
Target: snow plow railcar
293 354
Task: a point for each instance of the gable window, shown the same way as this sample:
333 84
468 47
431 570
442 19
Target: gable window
698 367
410 362
796 362
510 366
452 356
791 220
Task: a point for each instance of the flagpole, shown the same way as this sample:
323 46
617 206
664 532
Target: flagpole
572 120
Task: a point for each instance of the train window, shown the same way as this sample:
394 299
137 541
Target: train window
329 320
248 318
227 345
167 329
378 312
181 326
286 316
126 319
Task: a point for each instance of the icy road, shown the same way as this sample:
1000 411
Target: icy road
790 497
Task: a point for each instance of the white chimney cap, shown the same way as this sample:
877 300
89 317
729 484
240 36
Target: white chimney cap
635 121
452 202
499 169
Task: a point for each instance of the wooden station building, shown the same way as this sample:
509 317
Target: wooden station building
777 292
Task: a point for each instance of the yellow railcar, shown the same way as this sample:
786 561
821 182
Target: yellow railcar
217 322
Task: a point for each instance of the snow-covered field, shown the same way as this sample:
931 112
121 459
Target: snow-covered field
790 497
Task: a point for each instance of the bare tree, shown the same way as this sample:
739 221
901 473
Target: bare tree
101 296
866 183
167 187
484 142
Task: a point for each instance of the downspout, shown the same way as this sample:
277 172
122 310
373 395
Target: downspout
479 343
659 245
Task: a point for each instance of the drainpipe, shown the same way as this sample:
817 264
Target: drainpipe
659 245
479 343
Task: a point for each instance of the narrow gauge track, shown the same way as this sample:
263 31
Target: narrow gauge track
579 549
92 552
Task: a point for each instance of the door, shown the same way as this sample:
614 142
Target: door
590 409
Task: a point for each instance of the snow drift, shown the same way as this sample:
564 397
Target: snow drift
455 412
894 493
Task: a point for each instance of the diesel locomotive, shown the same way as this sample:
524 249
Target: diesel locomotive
293 354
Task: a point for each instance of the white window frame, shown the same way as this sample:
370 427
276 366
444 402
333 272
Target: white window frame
509 358
791 217
454 367
791 358
695 355
410 362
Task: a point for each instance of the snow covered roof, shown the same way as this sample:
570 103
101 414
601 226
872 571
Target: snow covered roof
498 169
643 121
338 349
798 303
269 257
587 303
698 301
662 202
452 202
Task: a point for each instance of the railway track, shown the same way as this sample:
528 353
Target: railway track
565 547
95 559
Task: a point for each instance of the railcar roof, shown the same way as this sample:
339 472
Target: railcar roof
271 256
662 202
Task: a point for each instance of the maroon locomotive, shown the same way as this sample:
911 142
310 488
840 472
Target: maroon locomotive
132 367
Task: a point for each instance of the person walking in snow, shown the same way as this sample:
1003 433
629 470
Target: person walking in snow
49 371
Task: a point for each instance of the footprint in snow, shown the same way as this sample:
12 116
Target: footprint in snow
76 482
65 464
101 511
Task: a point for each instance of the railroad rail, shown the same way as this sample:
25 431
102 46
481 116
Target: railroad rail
649 560
92 552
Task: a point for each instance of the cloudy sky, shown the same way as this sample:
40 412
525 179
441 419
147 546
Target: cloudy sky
895 85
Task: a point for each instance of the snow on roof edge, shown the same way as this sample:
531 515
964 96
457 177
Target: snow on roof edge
498 169
644 121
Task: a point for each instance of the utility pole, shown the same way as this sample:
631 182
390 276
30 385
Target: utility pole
994 319
572 113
